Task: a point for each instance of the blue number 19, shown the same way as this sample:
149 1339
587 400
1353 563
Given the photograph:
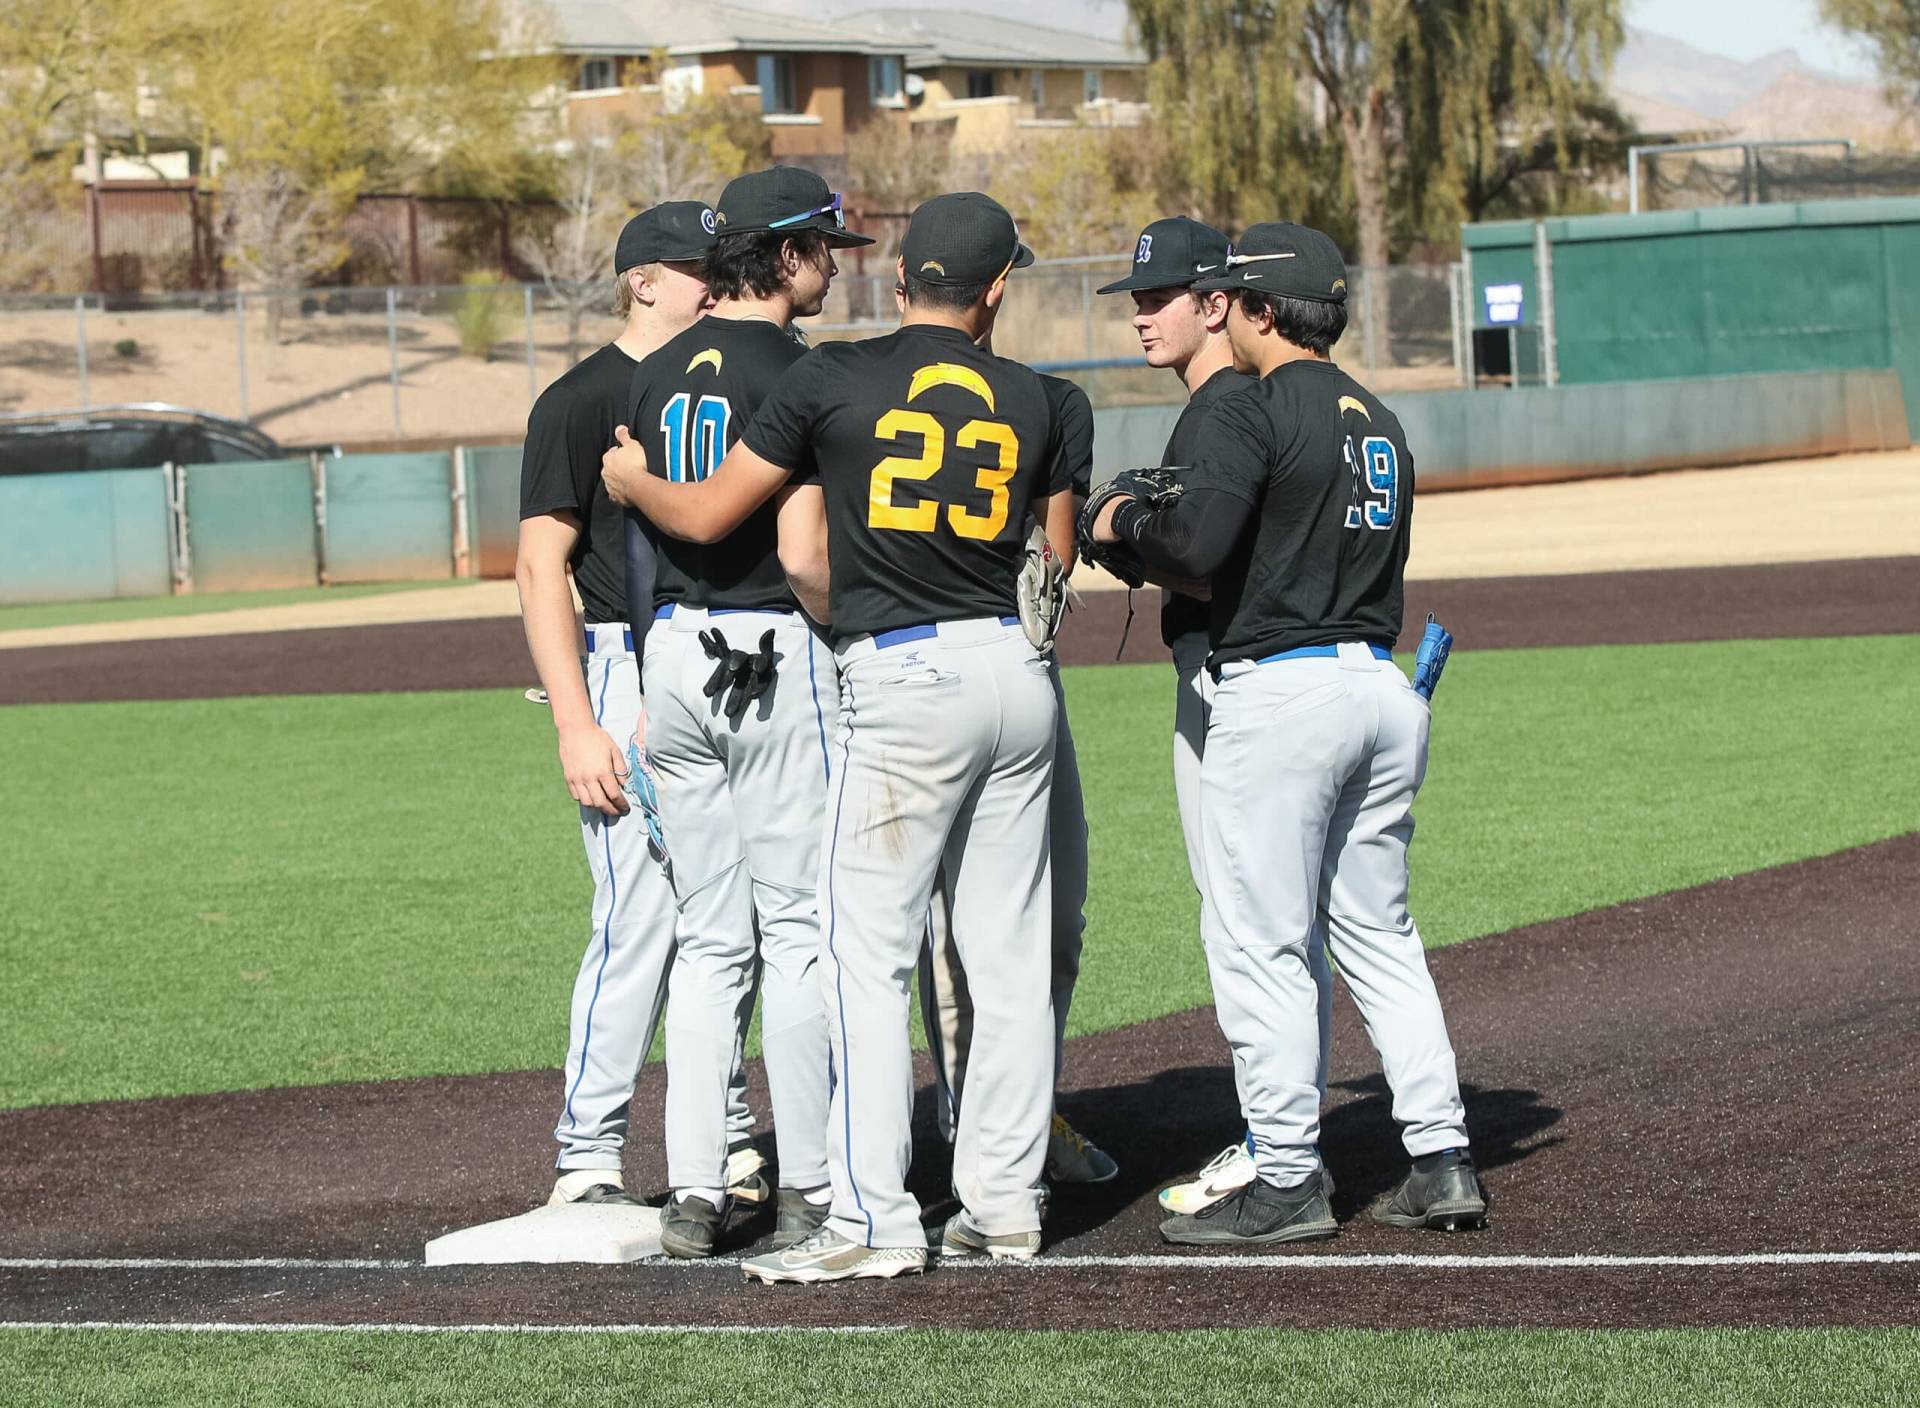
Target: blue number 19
1383 484
709 436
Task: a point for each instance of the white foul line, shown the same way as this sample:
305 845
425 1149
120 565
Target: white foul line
1167 1261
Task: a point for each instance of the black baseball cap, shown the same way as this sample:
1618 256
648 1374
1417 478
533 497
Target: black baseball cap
962 238
676 230
784 199
1172 253
1287 259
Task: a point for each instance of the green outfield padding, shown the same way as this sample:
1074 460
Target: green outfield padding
250 526
389 517
74 537
211 895
934 1369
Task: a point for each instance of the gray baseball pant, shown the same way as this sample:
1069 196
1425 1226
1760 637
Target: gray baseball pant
944 758
741 801
1310 773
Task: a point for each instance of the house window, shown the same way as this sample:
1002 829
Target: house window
596 73
776 83
979 83
1092 88
883 78
1038 78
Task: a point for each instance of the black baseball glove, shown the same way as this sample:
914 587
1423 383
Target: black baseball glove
1154 487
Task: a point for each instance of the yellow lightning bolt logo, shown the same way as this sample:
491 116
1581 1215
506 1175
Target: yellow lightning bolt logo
948 374
708 358
1353 403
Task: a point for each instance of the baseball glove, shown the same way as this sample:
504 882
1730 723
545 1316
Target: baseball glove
1042 591
1154 487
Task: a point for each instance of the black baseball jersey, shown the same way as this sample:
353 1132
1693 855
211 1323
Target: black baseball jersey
1183 615
1074 412
931 453
1327 475
691 401
570 427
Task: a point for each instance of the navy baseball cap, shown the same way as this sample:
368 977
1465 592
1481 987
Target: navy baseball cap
675 231
1280 257
962 238
784 199
1172 253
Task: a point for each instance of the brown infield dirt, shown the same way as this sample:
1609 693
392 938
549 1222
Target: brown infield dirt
1872 596
1726 1070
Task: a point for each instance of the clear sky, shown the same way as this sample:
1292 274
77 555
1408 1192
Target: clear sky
1746 29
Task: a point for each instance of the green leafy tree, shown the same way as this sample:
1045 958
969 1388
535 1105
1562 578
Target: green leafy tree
1891 29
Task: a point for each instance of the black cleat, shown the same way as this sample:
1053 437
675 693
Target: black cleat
1441 1193
798 1218
689 1227
606 1195
1258 1212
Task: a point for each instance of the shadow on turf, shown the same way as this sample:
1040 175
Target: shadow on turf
1162 1129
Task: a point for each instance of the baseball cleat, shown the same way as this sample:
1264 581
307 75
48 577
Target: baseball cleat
1225 1173
824 1255
597 1186
1440 1193
1259 1212
749 1193
964 1237
690 1227
1072 1158
799 1217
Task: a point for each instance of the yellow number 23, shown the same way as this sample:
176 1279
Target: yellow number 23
923 517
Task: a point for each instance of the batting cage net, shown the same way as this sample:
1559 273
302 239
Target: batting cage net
1761 175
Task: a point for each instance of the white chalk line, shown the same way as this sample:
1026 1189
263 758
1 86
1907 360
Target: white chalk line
243 1327
1275 1261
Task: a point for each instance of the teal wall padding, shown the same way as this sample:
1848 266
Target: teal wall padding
493 509
1824 285
389 518
250 526
84 536
1464 439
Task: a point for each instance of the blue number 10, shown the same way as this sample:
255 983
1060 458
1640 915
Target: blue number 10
709 436
1383 484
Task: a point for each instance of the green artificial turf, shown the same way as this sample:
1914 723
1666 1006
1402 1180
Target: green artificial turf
1473 1369
142 608
238 893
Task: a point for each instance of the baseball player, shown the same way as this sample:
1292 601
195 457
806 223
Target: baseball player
1186 332
946 1006
741 699
1298 509
569 525
934 455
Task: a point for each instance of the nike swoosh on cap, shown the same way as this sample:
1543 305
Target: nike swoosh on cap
1203 268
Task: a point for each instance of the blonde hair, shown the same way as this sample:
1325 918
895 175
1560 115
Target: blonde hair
623 286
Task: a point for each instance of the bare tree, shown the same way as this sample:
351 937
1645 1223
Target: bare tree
277 235
573 253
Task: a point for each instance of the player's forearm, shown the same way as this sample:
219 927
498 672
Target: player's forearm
1189 538
553 640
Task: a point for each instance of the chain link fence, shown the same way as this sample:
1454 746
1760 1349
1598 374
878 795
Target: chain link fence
359 365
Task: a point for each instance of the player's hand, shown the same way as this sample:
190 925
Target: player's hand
1103 523
594 766
622 465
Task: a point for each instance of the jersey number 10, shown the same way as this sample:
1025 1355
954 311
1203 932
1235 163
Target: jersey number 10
690 463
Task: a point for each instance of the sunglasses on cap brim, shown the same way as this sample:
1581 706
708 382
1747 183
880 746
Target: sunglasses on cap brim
1234 261
832 208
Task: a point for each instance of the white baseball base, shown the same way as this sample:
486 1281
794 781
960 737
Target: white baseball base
567 1232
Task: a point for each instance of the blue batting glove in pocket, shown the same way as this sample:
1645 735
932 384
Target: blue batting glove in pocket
1435 646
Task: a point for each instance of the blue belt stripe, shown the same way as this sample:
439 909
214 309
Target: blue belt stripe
902 634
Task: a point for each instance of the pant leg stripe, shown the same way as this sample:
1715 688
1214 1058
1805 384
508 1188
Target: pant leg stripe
839 997
819 715
606 928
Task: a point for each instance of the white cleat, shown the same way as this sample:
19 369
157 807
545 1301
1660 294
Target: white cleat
1226 1173
964 1237
827 1256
